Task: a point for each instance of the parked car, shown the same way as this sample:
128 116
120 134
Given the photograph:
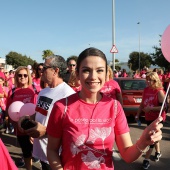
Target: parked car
132 90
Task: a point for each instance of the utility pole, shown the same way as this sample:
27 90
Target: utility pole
139 44
113 31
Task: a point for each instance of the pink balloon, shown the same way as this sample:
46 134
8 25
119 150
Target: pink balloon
165 43
14 110
27 109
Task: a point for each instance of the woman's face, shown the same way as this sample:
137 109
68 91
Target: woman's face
92 74
72 65
40 68
150 82
22 77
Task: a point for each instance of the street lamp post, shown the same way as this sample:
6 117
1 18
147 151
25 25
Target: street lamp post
139 44
113 31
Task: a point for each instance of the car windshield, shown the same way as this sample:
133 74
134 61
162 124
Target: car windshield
133 84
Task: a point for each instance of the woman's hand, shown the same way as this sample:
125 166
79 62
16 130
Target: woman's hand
152 133
147 109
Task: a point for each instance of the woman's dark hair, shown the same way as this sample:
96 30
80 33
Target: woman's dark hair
90 52
71 58
37 75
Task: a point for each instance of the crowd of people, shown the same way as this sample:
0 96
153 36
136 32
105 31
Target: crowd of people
71 128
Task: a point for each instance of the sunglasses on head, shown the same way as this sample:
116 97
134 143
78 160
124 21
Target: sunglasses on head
21 75
72 65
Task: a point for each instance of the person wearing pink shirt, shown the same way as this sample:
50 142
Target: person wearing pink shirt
115 73
86 124
73 82
9 79
2 72
124 73
137 74
111 88
3 96
24 92
6 161
153 97
37 78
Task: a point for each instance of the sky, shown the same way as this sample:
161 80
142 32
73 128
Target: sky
67 27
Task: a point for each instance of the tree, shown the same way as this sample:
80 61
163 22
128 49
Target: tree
47 53
116 61
15 59
145 60
158 58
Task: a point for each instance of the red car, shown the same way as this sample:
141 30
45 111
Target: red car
132 90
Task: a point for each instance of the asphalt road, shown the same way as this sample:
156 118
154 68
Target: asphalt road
135 130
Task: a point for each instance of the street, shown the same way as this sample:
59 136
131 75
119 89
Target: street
163 163
135 130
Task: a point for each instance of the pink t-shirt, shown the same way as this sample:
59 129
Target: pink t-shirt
137 76
76 89
124 74
10 82
87 131
4 99
150 98
25 95
110 89
6 161
36 82
2 75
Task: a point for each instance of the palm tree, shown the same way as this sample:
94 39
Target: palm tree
46 53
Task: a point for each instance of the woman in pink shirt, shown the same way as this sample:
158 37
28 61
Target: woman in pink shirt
25 93
153 97
73 82
88 123
111 88
137 74
37 78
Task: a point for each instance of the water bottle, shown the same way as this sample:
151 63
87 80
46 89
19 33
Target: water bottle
139 122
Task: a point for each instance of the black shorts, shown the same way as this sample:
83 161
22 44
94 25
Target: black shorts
26 145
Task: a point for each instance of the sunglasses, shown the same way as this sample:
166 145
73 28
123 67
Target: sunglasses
21 75
40 68
46 67
72 65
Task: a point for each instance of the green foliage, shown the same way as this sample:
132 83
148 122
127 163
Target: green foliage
116 60
47 53
117 67
145 60
159 59
15 59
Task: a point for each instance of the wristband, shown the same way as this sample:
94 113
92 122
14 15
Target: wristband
142 151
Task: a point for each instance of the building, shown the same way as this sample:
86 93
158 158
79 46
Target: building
6 66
